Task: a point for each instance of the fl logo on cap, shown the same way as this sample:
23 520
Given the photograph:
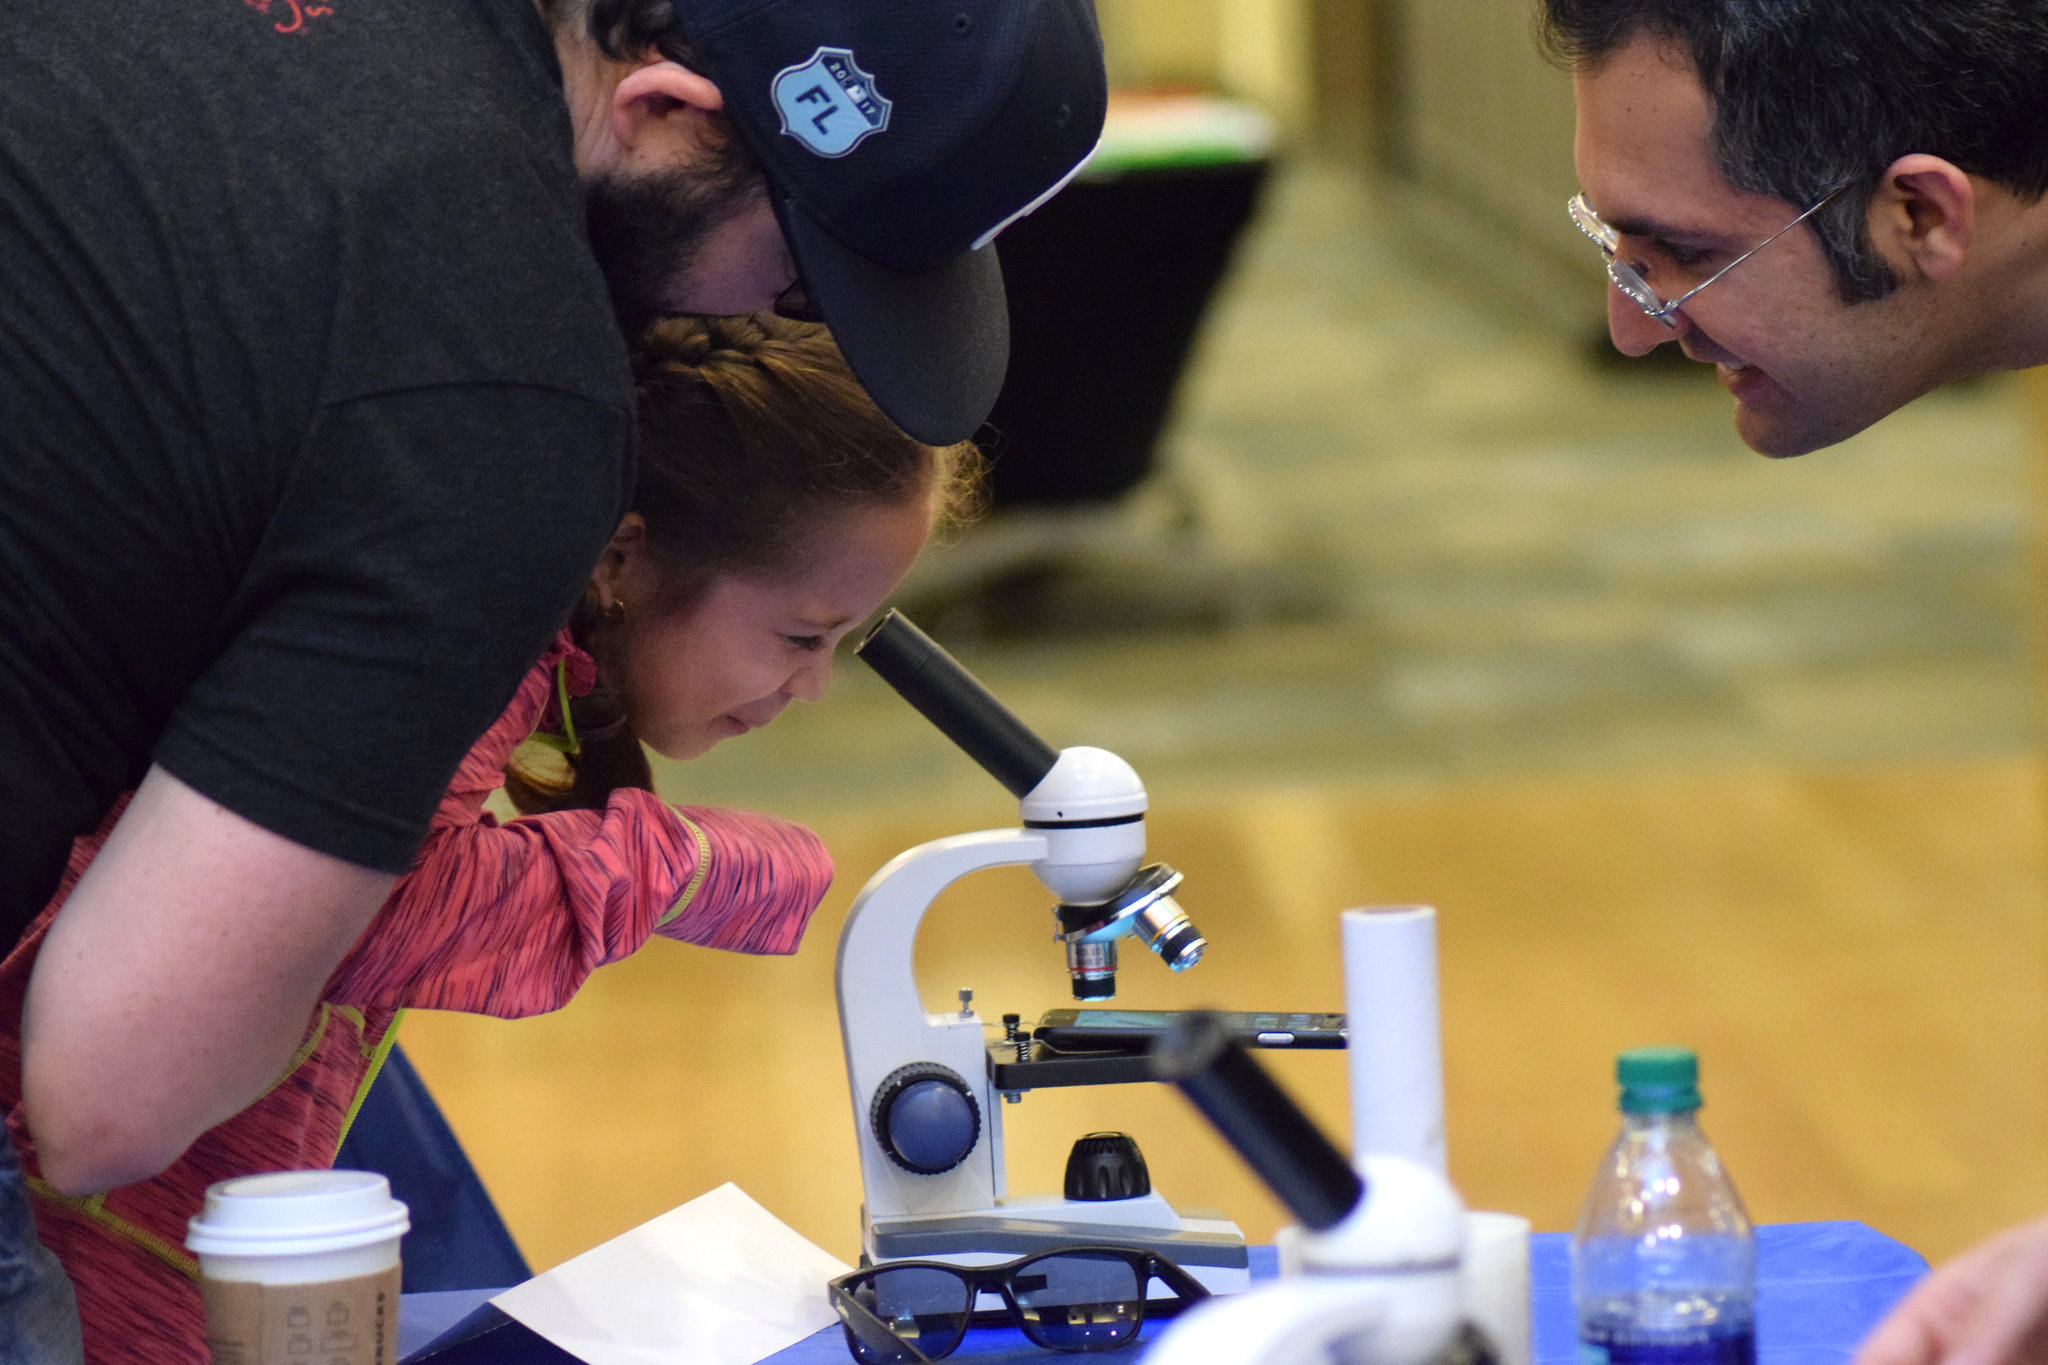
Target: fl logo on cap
828 103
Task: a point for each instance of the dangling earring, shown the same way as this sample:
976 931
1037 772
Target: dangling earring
615 613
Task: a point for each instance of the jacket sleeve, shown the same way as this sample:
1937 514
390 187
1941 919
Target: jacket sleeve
509 920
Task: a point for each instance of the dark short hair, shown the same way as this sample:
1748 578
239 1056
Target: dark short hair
626 29
1812 95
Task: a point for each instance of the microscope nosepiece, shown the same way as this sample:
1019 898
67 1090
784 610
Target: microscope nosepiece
1092 965
1145 907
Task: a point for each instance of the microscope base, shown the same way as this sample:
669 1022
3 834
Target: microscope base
1210 1249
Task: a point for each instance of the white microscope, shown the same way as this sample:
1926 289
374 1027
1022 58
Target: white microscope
927 1088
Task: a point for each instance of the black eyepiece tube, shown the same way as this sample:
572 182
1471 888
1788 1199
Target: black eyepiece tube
1277 1140
949 697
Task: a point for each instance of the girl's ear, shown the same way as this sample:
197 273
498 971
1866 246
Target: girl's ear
618 562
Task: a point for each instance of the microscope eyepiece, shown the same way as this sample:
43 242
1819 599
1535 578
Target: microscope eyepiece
954 700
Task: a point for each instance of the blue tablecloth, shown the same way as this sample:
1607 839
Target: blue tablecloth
1820 1288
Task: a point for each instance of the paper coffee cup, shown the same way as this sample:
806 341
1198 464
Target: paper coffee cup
300 1266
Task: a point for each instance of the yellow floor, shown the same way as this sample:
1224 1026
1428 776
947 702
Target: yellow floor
1858 954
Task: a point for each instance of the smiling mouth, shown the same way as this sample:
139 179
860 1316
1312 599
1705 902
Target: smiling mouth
1746 383
1700 347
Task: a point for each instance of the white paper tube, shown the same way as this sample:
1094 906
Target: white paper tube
1396 1048
1494 1282
1287 1241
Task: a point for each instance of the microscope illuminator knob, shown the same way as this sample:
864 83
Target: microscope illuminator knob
925 1118
1106 1166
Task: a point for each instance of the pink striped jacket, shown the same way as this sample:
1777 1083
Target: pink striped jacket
499 919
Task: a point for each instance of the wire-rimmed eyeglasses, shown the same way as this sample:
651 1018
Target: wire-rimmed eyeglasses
1083 1298
1630 282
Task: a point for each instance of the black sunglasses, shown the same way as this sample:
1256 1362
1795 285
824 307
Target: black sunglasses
1073 1299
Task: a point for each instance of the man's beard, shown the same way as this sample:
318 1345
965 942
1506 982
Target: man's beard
647 230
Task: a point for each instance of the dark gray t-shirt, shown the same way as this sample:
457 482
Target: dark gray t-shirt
313 411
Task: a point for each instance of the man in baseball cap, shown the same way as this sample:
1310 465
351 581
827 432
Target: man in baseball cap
892 143
314 310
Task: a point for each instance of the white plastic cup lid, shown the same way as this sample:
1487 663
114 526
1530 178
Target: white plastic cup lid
296 1213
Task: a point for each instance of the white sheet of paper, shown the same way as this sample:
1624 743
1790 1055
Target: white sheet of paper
718 1281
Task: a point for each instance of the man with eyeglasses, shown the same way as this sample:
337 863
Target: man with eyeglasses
1839 205
1836 203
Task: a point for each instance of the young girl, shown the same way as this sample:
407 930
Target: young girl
774 509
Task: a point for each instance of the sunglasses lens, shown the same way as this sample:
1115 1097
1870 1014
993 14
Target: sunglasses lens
1079 1301
915 1305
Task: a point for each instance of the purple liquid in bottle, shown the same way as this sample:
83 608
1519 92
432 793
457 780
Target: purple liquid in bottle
1645 1334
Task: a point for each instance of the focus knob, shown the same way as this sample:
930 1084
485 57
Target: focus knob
925 1118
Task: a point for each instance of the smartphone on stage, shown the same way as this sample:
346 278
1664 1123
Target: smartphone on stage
1133 1030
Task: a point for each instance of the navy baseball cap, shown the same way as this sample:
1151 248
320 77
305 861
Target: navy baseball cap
898 137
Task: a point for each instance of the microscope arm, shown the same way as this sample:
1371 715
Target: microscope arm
878 998
929 1137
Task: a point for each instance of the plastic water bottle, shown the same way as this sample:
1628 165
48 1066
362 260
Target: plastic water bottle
1664 1257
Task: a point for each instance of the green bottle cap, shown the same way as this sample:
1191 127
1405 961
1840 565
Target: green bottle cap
1658 1080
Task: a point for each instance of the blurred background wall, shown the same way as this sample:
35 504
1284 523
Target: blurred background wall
1452 101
